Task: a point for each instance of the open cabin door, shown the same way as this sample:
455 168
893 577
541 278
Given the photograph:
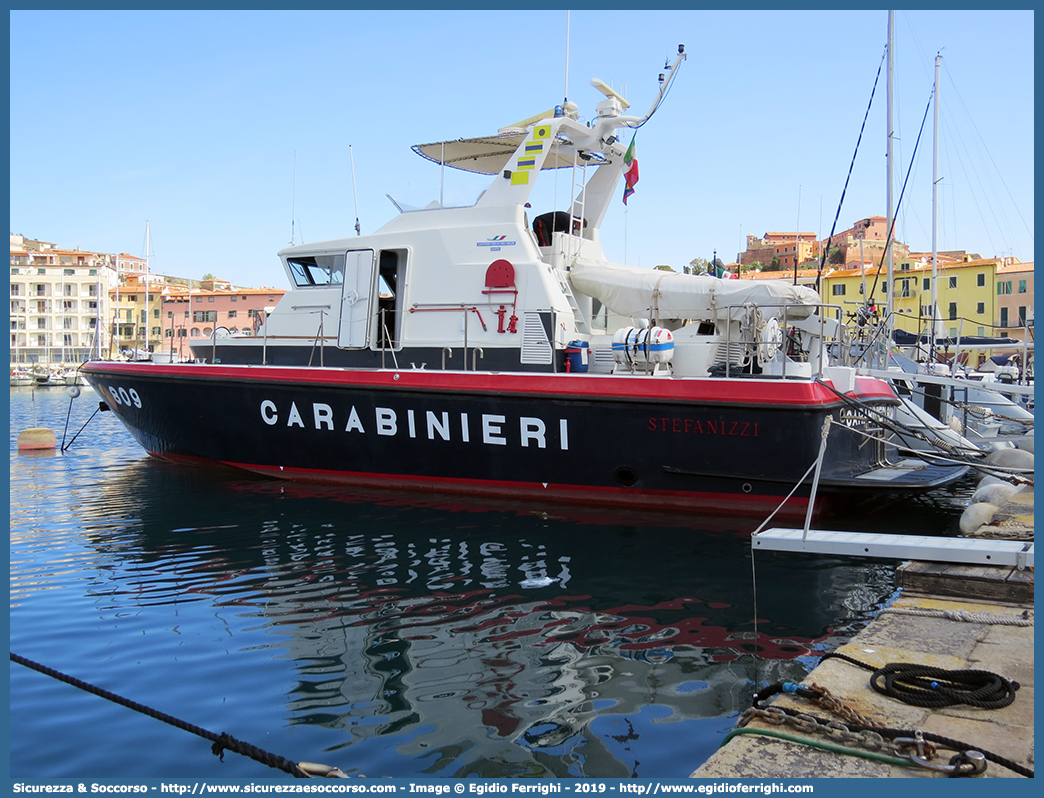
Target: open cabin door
356 300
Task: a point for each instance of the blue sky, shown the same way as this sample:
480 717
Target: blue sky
194 120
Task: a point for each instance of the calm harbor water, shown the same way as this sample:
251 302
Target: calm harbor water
390 635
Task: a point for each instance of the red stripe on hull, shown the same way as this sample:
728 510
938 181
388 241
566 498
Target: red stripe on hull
747 391
662 501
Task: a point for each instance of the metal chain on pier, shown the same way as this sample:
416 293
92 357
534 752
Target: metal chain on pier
834 730
919 748
221 742
835 706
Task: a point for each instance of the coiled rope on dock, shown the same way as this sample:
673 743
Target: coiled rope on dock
220 742
934 688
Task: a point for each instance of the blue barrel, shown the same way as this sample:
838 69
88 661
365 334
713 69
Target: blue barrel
576 356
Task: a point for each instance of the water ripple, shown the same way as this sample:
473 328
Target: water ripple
428 636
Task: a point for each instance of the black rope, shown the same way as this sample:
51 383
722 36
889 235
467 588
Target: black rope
102 408
961 454
221 742
935 688
938 739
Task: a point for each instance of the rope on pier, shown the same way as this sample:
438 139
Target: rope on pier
221 742
965 616
935 688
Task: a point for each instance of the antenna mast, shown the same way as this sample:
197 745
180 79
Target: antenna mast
565 94
147 242
293 200
351 158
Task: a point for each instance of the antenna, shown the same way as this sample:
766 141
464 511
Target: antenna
293 200
351 158
565 96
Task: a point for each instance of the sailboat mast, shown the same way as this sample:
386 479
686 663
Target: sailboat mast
935 189
889 301
146 285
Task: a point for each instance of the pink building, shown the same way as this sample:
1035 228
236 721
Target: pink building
194 313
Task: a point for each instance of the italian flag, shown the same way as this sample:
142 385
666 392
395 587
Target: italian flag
631 175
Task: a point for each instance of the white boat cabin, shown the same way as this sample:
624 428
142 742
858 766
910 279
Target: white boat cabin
489 287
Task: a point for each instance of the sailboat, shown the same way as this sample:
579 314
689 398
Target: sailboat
929 391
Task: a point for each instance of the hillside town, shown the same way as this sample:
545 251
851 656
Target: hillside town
975 295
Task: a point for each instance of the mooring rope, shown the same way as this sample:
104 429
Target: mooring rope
936 688
965 616
221 742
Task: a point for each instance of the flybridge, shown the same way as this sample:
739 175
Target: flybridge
555 139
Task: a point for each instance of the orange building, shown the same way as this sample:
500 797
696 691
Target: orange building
788 248
1015 299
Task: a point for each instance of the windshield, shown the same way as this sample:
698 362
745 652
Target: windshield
317 269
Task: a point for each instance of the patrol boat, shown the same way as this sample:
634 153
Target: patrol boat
467 350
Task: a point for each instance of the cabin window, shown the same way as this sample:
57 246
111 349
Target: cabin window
309 270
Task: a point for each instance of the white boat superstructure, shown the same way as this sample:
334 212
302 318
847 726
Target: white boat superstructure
488 288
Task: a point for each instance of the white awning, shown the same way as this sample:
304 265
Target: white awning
487 155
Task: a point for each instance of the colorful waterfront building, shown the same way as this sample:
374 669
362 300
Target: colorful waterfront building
1015 300
58 302
135 323
194 312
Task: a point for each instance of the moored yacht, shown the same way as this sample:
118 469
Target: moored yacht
475 350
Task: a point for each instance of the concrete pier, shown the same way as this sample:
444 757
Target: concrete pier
915 629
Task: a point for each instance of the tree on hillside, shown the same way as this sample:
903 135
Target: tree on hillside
836 257
698 266
208 276
664 268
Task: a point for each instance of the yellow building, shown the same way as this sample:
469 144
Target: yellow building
136 320
965 293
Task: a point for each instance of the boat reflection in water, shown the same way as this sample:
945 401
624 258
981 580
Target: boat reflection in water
464 639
